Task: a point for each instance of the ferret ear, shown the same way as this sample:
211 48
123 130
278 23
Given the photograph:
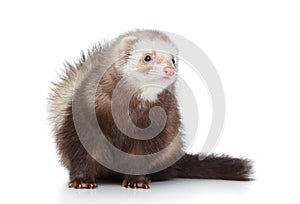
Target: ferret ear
126 44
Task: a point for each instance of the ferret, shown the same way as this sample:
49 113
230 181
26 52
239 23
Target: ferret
135 59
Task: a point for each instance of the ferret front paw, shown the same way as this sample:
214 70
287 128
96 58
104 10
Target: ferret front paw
80 183
137 182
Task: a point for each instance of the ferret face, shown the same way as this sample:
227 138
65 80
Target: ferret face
152 67
151 63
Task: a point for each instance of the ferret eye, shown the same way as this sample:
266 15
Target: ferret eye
148 58
173 61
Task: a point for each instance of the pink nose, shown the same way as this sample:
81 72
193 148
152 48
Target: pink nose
169 70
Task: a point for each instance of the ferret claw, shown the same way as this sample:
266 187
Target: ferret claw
82 184
136 182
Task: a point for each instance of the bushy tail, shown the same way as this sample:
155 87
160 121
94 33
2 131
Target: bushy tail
209 167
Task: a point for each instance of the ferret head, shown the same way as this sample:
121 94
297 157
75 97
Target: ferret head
149 60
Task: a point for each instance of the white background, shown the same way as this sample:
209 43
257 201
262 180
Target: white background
254 45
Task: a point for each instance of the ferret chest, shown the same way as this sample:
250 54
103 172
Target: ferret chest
139 114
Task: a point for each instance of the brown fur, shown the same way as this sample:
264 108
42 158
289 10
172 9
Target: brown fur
83 168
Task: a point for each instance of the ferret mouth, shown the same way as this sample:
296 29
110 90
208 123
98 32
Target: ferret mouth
165 78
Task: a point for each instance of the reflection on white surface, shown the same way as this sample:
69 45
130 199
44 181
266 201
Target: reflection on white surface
177 191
